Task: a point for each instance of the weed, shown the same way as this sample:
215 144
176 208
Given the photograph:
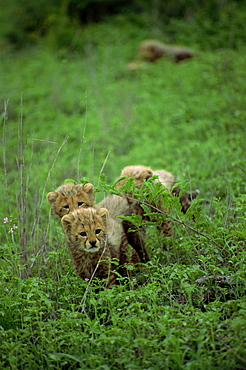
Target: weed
80 118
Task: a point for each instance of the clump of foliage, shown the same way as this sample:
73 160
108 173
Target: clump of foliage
60 24
84 115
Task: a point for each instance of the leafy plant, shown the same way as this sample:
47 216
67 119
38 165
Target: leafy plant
85 117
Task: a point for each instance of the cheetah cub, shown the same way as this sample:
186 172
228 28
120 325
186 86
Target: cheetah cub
119 206
95 241
69 197
141 174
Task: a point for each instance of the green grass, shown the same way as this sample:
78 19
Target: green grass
79 115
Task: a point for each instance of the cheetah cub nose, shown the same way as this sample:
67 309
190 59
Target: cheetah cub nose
93 243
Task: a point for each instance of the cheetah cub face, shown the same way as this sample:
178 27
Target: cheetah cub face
86 229
69 197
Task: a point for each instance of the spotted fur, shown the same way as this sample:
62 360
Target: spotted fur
96 241
185 198
119 206
142 173
69 197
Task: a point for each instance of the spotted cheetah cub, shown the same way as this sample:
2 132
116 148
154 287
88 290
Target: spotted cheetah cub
185 198
141 174
119 206
95 241
69 197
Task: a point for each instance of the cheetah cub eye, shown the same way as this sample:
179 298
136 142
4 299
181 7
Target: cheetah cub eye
66 206
80 204
97 231
83 233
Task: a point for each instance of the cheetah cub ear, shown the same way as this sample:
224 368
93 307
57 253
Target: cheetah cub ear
52 196
88 188
104 214
66 221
